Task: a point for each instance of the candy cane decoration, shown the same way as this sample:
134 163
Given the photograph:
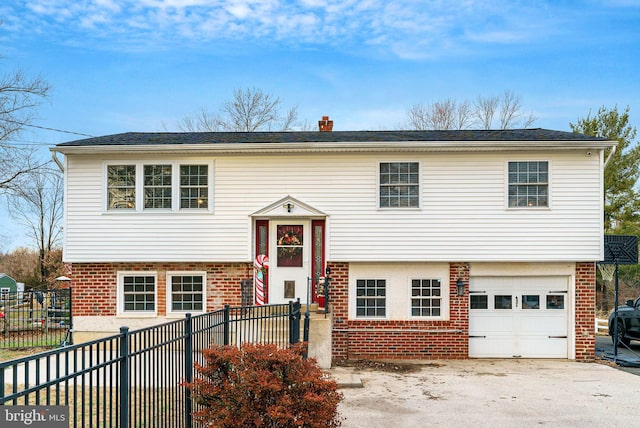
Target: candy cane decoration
261 264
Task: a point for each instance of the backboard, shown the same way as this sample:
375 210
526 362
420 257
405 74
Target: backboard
622 247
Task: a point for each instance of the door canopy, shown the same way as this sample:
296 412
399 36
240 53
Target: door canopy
289 207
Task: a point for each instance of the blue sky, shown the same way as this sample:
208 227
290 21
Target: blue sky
142 65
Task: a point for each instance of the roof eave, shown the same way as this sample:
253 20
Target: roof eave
365 146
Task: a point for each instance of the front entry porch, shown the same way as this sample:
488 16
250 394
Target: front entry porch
291 235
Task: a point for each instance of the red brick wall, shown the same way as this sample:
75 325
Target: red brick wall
585 311
95 284
385 339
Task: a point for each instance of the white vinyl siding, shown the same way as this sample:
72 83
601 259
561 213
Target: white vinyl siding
463 213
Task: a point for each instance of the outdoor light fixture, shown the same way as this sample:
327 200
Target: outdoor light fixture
460 287
288 206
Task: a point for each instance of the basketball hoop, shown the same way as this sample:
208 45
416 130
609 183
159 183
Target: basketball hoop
606 271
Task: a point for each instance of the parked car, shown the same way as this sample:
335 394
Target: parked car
628 322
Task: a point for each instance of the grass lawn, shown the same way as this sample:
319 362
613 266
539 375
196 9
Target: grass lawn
12 354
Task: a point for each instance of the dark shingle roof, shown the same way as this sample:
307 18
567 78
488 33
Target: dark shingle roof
163 138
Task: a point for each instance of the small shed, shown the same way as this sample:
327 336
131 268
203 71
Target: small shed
7 284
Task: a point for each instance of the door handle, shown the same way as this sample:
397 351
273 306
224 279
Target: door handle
516 301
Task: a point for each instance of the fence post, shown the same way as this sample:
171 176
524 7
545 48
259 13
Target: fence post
188 368
327 282
124 377
226 327
70 315
294 322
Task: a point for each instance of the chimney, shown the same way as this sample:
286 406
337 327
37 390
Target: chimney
325 125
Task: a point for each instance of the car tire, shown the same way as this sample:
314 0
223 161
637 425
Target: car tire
622 340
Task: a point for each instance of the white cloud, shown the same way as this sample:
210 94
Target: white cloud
407 28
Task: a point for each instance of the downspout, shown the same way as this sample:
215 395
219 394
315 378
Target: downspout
57 161
613 151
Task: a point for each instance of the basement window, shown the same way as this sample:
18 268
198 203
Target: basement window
137 293
371 298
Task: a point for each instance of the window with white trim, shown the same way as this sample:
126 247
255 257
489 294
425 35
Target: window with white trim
528 184
194 186
186 292
174 186
121 187
399 185
157 186
426 298
371 298
137 293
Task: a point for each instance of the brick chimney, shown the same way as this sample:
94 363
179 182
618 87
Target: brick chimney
325 125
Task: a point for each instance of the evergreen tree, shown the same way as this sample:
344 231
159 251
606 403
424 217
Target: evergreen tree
622 204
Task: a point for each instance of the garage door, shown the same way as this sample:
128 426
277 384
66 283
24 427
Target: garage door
518 317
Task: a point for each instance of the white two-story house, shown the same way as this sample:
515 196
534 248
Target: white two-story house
440 244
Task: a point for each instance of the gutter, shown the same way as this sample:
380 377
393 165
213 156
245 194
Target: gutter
56 160
368 146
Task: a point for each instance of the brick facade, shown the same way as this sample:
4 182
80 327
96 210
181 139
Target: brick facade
384 339
585 303
95 284
407 339
95 293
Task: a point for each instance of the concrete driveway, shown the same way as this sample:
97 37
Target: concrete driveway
489 393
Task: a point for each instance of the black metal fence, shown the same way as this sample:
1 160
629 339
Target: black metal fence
33 319
135 378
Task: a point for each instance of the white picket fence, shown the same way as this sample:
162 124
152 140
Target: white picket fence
602 326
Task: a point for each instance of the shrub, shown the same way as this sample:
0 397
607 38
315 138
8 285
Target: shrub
263 386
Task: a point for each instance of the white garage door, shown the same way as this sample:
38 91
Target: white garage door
518 317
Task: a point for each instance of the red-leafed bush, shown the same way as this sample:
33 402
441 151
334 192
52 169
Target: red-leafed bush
263 386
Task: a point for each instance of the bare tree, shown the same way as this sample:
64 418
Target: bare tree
443 114
511 114
418 117
464 115
38 206
249 110
19 97
446 114
449 114
203 122
20 264
485 110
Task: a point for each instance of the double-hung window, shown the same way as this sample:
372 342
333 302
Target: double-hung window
186 291
371 298
157 186
121 187
137 293
399 185
528 184
426 298
194 186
